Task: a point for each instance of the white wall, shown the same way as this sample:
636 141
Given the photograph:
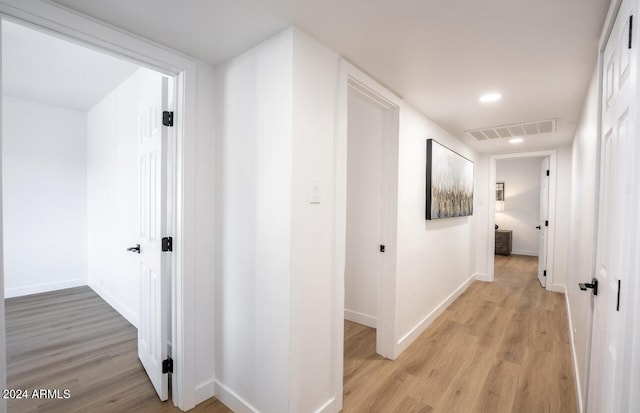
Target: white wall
254 227
112 195
364 214
583 229
434 258
205 230
562 219
45 207
482 208
521 214
277 276
313 283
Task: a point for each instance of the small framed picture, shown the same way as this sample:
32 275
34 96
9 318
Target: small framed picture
500 191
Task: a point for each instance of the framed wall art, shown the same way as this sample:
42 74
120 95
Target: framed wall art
500 191
449 183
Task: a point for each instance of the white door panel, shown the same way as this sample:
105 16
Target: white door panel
544 217
153 329
614 213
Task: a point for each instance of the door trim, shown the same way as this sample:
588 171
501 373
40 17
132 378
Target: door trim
63 22
386 344
552 154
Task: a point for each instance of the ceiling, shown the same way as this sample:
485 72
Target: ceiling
47 69
439 55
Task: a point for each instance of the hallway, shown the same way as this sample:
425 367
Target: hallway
500 347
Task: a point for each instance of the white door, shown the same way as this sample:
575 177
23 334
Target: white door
153 328
544 219
618 105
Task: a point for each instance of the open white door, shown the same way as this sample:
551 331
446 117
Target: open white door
616 159
153 328
544 220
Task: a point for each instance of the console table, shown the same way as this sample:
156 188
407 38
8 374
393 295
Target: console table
503 242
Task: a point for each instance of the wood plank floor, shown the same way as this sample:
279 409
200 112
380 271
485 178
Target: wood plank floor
72 339
500 347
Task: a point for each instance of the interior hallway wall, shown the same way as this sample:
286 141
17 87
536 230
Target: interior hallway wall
44 202
583 229
112 195
435 259
276 272
254 156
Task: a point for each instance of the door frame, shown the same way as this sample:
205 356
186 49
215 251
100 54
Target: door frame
491 218
70 25
387 211
351 77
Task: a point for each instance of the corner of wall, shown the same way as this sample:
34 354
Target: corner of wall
482 277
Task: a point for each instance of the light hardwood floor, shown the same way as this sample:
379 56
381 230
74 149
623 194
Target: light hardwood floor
500 347
72 339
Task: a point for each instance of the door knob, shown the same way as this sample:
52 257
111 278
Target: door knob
538 227
593 285
134 249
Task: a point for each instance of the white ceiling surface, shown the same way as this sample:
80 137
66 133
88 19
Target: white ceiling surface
439 55
47 69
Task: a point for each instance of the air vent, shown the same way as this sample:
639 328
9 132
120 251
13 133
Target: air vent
516 129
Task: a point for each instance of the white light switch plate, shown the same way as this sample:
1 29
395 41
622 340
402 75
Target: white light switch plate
314 192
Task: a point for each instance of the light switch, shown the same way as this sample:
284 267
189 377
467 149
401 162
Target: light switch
314 192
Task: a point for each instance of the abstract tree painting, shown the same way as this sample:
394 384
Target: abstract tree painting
449 183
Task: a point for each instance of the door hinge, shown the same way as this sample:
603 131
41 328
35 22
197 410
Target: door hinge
544 273
167 365
546 223
167 118
547 172
618 304
382 248
630 31
167 244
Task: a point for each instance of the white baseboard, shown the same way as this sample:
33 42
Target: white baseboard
205 391
328 407
238 405
482 277
44 287
360 318
525 252
558 288
124 311
573 352
405 341
230 399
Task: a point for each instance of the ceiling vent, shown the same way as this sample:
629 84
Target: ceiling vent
513 130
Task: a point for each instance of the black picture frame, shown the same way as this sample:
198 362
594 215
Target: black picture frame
449 189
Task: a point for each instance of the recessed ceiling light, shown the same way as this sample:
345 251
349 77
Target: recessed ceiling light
516 140
490 97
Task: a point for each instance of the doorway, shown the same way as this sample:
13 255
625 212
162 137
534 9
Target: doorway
515 210
521 210
370 205
86 192
364 243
